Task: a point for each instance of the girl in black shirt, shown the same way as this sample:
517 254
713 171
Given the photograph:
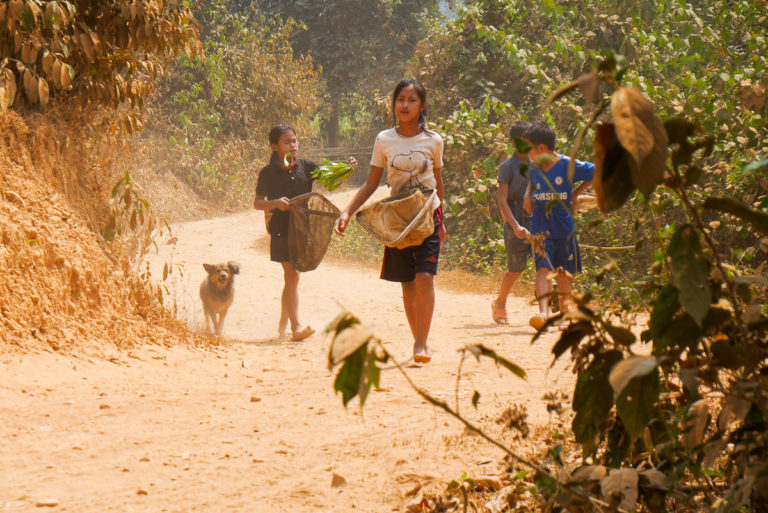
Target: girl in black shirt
276 185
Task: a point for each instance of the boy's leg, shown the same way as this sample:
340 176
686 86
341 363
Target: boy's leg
543 291
290 298
564 289
506 286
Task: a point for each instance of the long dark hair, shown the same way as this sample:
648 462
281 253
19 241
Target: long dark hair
421 92
275 133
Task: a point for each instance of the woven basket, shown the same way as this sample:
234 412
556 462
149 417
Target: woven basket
400 221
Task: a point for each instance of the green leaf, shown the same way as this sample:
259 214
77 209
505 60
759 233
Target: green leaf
480 350
28 19
755 166
636 402
475 398
621 336
758 219
665 307
570 337
679 333
521 146
690 272
348 380
593 398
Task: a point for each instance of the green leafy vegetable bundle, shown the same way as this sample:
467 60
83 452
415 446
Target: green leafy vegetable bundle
331 174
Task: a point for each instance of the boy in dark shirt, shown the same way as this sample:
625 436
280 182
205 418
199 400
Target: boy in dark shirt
512 188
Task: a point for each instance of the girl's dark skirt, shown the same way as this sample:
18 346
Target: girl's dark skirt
401 265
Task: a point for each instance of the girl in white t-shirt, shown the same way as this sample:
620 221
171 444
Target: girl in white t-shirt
413 157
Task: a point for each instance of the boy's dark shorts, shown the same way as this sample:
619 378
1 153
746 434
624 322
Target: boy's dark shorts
518 250
562 253
278 248
401 265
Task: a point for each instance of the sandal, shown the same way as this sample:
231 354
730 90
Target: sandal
422 358
537 321
499 314
302 334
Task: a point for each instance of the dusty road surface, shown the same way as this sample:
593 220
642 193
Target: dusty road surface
253 425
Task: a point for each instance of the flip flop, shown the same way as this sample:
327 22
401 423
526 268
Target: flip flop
537 321
499 314
422 357
304 333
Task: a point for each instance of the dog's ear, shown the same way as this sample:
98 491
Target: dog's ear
210 269
233 267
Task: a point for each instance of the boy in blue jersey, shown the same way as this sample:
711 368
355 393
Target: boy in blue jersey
550 194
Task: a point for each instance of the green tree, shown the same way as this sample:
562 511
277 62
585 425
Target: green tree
361 45
216 111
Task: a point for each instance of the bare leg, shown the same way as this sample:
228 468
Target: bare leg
506 286
543 289
564 288
419 303
290 299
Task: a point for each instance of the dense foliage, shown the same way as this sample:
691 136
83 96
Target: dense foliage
498 60
213 114
89 52
361 47
677 425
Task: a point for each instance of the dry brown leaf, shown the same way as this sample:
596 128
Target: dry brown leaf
588 86
43 92
56 73
15 8
48 60
643 135
697 424
86 44
589 473
735 409
621 483
628 369
30 86
66 78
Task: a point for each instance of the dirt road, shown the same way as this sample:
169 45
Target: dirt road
254 425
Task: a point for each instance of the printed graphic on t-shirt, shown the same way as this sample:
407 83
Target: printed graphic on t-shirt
414 162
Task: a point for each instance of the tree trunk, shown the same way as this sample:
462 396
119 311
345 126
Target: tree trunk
333 126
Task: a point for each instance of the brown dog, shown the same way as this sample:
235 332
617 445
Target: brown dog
217 292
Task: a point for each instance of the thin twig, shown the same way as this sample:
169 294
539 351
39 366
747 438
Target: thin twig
458 379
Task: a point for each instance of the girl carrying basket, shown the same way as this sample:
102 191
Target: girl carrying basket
413 157
282 179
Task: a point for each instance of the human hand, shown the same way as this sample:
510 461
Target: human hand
352 161
341 224
521 232
283 204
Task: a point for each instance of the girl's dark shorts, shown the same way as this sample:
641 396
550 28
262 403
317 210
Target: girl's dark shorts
278 248
401 265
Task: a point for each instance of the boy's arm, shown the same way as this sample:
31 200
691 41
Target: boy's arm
527 201
506 212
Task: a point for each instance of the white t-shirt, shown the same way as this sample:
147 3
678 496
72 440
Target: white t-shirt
409 161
